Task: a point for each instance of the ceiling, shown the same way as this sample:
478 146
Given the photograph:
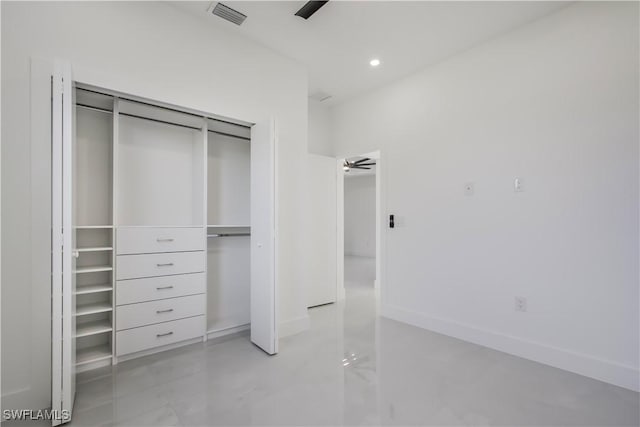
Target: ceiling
337 42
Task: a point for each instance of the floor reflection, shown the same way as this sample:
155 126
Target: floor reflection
351 368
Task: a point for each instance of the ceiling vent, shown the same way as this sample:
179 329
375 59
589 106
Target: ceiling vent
225 12
320 96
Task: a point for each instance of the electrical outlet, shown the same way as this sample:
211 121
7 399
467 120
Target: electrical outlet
521 304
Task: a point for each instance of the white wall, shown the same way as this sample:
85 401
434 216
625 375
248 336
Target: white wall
146 49
319 129
556 103
360 215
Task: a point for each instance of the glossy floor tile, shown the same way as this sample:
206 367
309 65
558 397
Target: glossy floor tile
351 368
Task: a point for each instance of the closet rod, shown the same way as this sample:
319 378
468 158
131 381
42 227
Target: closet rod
229 134
229 235
159 121
102 110
88 107
163 107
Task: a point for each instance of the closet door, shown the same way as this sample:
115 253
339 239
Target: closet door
263 250
63 244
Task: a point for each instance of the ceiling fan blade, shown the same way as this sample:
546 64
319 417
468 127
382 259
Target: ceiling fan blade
361 160
366 164
310 8
359 167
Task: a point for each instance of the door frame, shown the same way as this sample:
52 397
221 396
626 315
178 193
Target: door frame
380 281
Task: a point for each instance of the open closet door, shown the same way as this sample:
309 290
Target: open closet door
263 250
63 245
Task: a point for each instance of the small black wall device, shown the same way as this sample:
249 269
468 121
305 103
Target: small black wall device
392 222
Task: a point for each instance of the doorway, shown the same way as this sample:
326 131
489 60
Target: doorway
359 227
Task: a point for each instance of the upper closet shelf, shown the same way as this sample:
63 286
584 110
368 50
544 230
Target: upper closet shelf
92 227
227 226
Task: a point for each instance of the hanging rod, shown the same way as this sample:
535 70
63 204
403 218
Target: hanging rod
159 121
103 110
88 107
229 135
162 107
229 235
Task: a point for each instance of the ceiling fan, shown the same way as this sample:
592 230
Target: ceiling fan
358 164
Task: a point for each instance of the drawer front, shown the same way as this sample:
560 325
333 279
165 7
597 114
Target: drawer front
148 313
147 240
152 265
155 288
138 339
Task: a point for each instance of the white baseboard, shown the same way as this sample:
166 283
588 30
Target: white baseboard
293 326
599 369
218 333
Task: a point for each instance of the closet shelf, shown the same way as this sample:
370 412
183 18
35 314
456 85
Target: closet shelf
96 249
93 227
227 226
93 328
93 269
93 308
92 289
93 354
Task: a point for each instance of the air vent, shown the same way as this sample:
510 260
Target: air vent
320 96
231 15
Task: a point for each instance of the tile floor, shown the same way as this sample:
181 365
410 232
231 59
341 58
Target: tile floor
351 368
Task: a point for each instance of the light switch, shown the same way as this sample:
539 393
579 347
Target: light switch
518 185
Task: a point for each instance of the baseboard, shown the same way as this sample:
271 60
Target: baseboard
603 370
219 333
294 326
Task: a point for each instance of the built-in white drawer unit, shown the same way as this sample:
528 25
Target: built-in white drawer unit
155 288
146 313
146 337
147 240
151 265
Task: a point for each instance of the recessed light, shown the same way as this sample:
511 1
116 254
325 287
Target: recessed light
374 62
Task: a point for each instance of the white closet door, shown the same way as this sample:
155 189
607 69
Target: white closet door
263 244
63 244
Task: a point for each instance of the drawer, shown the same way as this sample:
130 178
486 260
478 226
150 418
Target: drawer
138 339
151 265
155 288
147 240
147 313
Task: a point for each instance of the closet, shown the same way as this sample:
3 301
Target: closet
169 217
